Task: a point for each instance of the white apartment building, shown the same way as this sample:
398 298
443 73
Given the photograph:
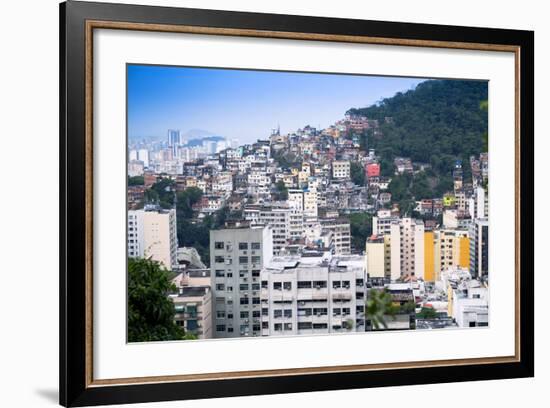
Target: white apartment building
316 293
152 233
341 234
381 223
237 256
341 169
407 248
479 204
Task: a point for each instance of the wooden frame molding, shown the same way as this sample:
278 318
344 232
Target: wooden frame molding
78 22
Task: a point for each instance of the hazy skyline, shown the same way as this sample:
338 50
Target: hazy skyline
245 104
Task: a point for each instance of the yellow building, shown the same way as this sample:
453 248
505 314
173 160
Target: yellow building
449 200
429 262
450 248
375 257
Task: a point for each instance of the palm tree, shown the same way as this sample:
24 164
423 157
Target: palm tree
380 305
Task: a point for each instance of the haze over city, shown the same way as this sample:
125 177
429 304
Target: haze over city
245 104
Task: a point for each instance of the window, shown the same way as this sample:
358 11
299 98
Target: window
255 273
359 282
277 313
336 311
287 285
320 325
243 260
320 311
218 245
230 315
304 312
288 313
219 259
288 326
277 286
245 315
230 288
220 273
220 286
243 245
265 311
320 284
256 245
256 301
230 329
278 326
243 286
220 327
336 284
304 325
255 286
346 284
256 327
304 284
255 259
264 284
220 314
265 325
346 311
229 275
244 301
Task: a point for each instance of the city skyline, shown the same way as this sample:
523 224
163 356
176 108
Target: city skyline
187 98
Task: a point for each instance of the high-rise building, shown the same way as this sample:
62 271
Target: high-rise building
143 155
174 137
444 249
313 294
377 261
479 248
152 234
407 248
341 234
237 256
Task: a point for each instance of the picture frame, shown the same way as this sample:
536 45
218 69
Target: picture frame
79 20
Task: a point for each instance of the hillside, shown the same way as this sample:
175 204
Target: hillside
437 122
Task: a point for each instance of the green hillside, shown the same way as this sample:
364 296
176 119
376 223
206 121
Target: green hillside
437 122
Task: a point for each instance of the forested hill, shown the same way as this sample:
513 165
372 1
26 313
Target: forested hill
440 120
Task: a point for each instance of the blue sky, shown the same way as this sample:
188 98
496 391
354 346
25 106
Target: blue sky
245 104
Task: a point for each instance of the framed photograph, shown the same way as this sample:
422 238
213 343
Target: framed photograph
257 204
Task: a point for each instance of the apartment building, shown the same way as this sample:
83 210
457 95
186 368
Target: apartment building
479 248
341 169
152 233
407 248
341 234
444 249
193 305
237 256
378 256
316 293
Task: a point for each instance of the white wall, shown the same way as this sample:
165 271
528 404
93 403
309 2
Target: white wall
29 95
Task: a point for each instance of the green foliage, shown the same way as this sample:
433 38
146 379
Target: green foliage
361 229
282 191
427 313
162 192
136 181
357 173
379 307
438 122
186 200
150 311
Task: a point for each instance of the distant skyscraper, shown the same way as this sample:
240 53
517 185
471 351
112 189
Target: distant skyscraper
143 155
174 137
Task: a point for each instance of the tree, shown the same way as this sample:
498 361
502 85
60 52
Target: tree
427 313
357 173
360 229
282 191
136 181
186 200
162 193
150 311
379 307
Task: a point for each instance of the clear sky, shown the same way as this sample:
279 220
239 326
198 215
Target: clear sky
245 104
